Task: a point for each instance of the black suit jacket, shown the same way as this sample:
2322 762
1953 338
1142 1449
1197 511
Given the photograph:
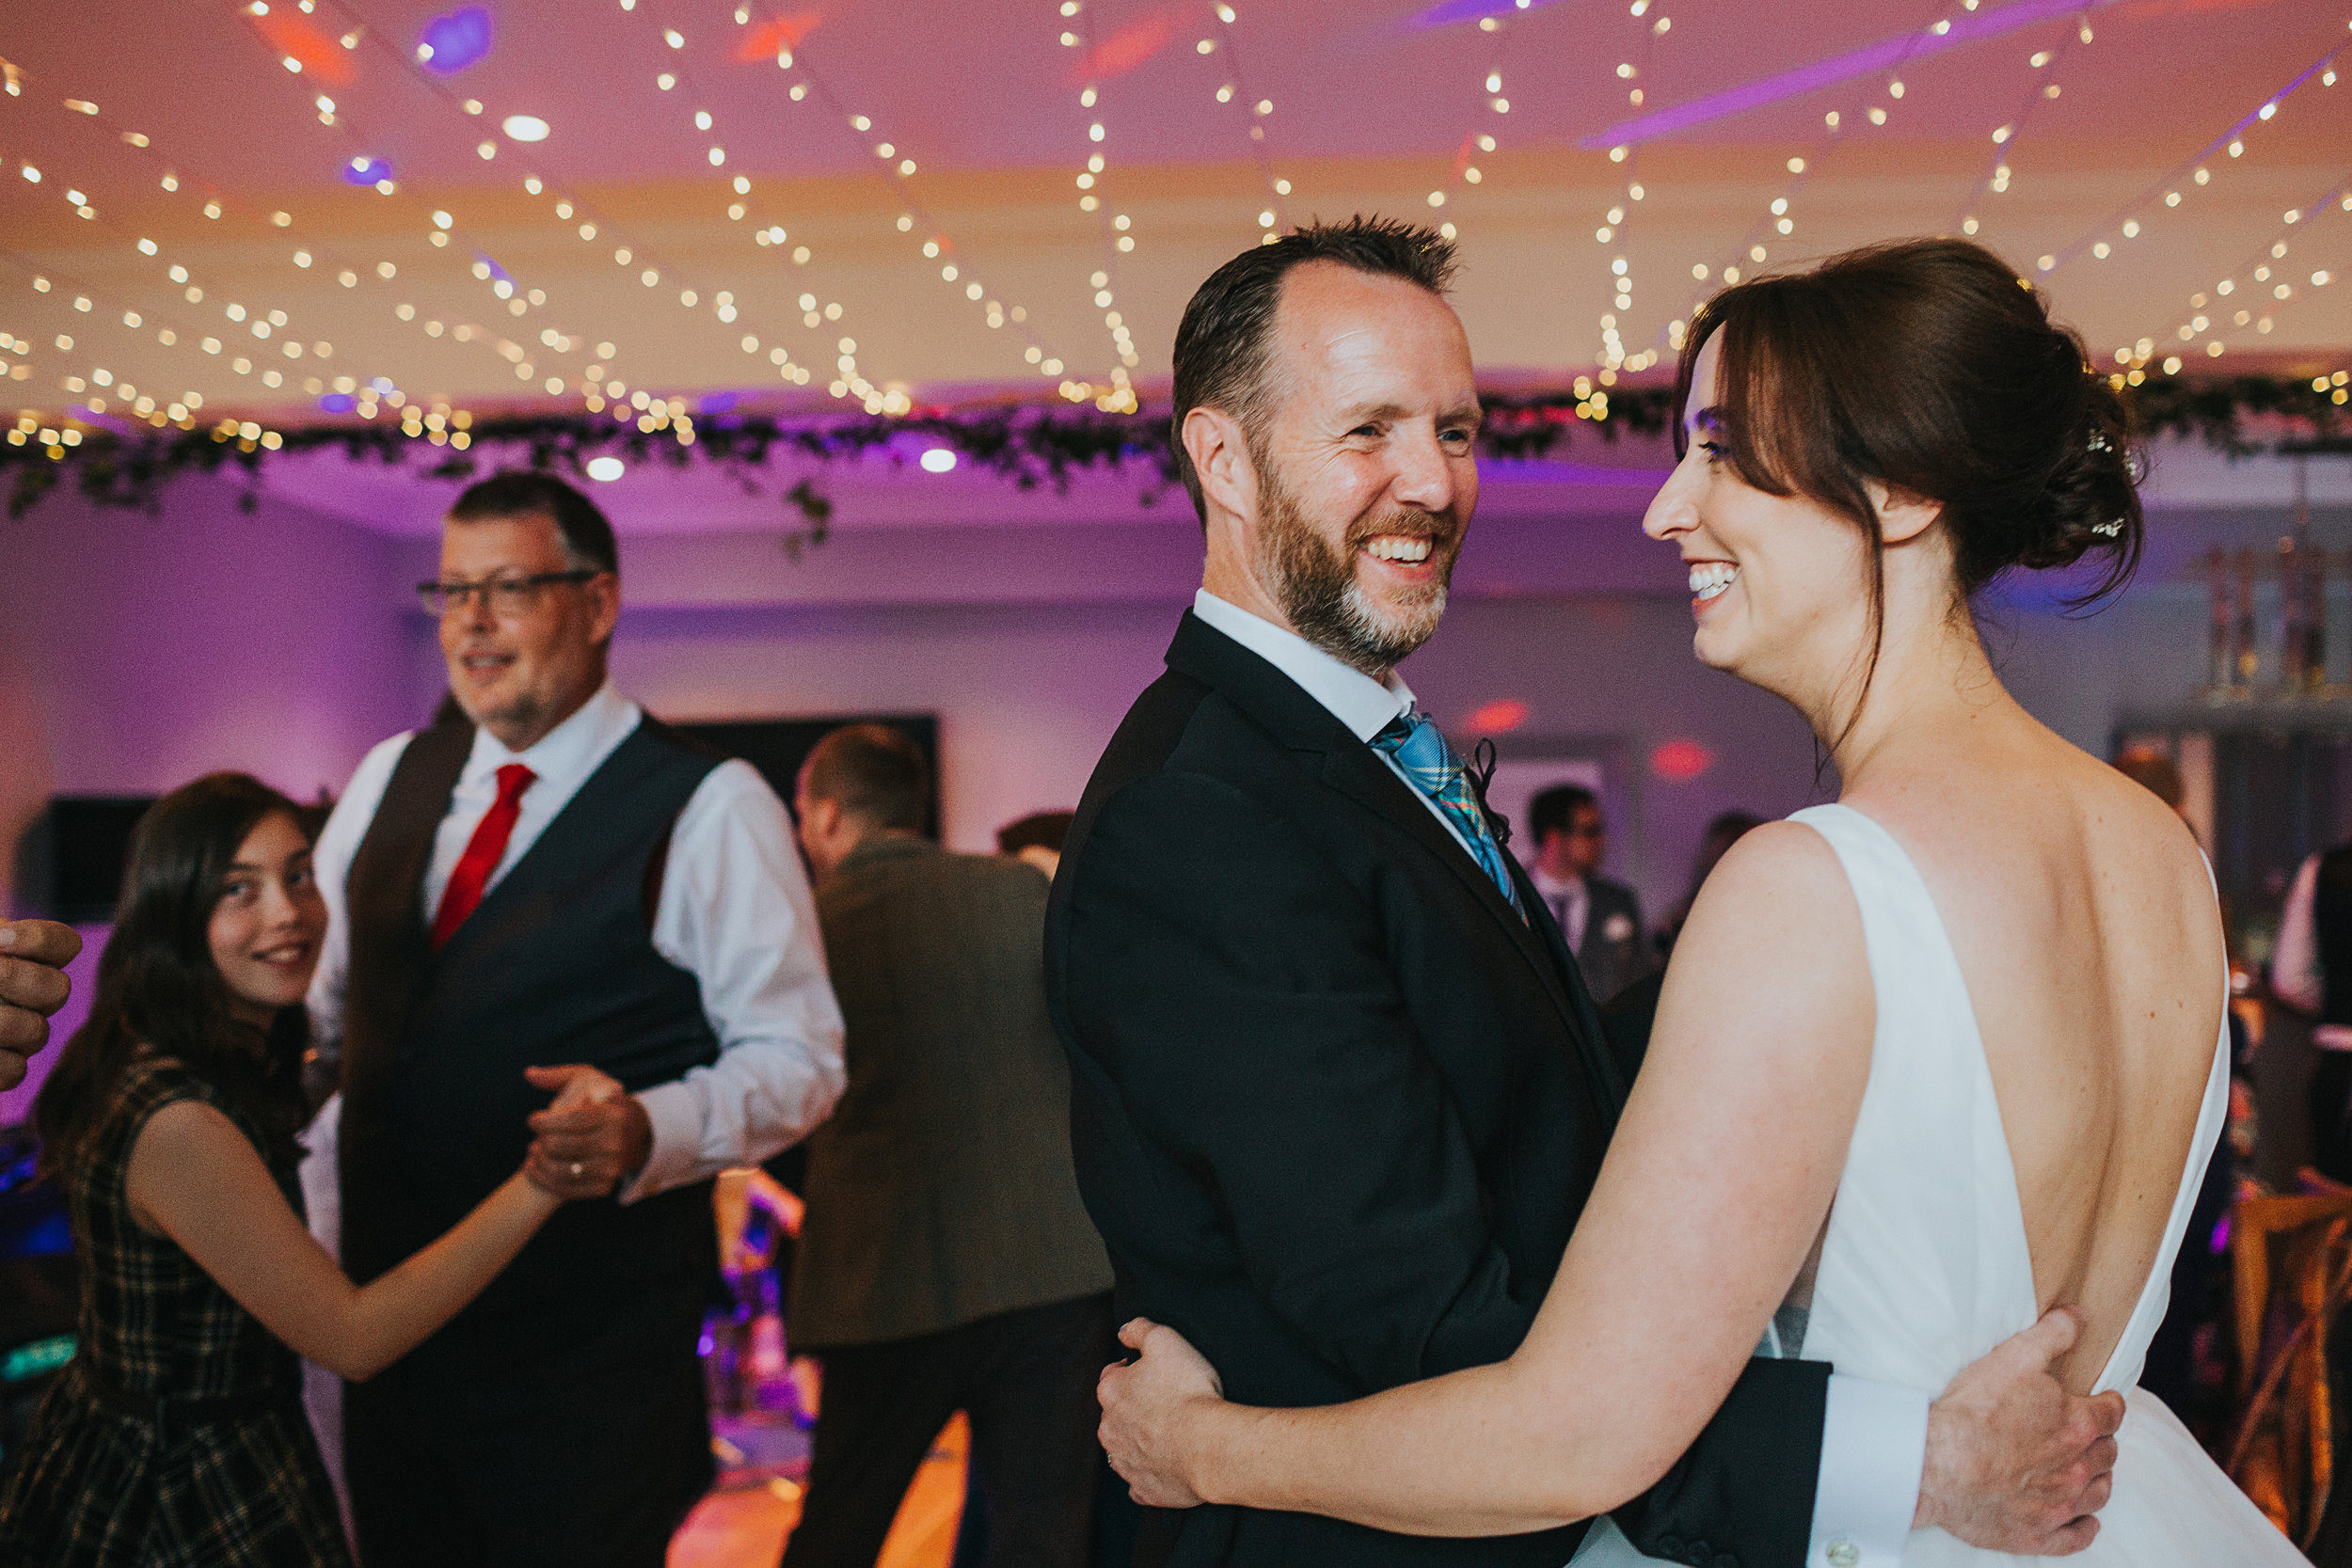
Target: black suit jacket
1609 963
1336 1107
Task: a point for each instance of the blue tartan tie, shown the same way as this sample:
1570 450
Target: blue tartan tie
1415 745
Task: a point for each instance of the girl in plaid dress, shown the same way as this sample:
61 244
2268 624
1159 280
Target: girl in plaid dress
176 1436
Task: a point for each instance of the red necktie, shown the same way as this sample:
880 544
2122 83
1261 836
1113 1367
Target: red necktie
482 852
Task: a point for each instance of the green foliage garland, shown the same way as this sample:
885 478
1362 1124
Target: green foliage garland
1030 447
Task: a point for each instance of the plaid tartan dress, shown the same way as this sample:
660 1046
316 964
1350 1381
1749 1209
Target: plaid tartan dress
176 1436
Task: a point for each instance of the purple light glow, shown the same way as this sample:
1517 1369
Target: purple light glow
455 39
366 171
1449 12
1899 50
338 402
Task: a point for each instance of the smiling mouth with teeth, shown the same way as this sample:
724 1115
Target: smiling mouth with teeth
1708 579
1398 547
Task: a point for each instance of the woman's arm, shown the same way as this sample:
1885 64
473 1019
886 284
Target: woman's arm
197 1179
1711 1195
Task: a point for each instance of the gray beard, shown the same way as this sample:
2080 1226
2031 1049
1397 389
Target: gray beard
1315 585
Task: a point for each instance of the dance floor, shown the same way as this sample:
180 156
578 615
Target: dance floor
762 1449
745 1522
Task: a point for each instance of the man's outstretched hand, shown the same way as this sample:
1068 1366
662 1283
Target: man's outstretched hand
2015 1462
591 1139
33 956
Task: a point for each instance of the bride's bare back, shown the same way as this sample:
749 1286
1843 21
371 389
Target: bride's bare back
2087 928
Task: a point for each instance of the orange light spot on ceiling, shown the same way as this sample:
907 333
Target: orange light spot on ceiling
1680 761
783 32
1500 717
1125 50
321 57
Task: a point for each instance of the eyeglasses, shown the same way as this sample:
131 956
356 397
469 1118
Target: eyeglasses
506 597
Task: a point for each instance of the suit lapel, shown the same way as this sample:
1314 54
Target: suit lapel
1349 765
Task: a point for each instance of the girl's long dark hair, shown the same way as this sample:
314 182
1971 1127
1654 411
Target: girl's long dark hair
159 989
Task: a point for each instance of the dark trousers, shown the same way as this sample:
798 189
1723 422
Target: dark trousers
567 1448
1025 1381
2332 1106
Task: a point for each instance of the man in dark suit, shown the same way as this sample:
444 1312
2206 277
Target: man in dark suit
1600 919
1338 1092
945 1262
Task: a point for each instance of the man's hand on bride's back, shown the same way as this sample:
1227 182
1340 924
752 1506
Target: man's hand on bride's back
2017 1463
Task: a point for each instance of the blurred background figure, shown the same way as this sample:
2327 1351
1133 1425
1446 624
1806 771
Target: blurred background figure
1600 919
1724 831
945 1262
1036 839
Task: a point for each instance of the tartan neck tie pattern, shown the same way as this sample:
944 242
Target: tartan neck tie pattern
1415 745
482 852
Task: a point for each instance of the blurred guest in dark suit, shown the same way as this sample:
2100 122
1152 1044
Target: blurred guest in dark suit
1036 839
945 1262
1602 919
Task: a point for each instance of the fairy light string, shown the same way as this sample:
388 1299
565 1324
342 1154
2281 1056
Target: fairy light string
2194 171
2044 88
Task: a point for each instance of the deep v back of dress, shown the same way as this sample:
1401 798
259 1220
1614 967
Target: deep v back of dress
1925 1266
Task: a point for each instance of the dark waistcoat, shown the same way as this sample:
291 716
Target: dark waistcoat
557 964
2331 913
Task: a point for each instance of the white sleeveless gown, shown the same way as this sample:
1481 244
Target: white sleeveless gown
1925 1267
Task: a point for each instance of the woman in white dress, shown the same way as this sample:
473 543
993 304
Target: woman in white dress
1927 1061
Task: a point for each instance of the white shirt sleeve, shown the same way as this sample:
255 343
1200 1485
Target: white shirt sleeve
2295 973
1874 1449
330 863
735 912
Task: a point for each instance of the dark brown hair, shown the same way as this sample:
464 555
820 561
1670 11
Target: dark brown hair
1221 357
529 493
1932 367
158 987
873 773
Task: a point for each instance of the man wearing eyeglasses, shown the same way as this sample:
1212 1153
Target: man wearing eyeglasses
1600 919
547 877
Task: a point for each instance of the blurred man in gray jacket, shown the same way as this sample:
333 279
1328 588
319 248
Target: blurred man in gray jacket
945 1262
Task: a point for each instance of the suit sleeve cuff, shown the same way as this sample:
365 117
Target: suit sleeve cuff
1874 1447
675 1114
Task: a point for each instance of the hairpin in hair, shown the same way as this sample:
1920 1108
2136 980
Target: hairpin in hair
2098 440
2109 529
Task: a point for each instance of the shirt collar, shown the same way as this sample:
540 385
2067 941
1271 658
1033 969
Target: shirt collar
567 754
1550 888
1355 699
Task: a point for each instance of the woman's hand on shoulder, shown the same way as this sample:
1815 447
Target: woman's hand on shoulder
1147 1406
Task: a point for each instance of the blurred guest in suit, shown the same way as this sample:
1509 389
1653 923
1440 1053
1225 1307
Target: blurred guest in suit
945 1262
33 956
1602 919
1036 838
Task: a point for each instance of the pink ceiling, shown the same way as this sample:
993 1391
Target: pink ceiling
1374 103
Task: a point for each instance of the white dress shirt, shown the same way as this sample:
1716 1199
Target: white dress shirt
1874 1440
1570 902
735 912
2294 969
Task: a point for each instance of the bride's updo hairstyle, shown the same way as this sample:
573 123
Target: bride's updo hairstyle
1932 367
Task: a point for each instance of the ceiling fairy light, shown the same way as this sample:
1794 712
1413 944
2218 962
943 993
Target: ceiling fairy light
937 245
1234 87
111 389
2250 296
2192 172
524 128
1610 233
2043 89
264 321
1113 227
